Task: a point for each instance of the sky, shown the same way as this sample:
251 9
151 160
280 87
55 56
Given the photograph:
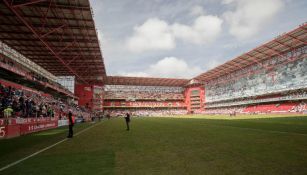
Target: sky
184 38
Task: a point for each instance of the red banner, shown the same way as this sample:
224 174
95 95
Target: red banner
12 131
19 126
3 131
37 126
2 122
8 129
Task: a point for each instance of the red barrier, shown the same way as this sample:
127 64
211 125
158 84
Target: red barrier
2 122
20 126
37 126
12 131
3 131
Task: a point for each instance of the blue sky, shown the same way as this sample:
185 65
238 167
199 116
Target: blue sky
181 39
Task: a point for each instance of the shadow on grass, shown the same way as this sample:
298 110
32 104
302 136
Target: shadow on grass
19 147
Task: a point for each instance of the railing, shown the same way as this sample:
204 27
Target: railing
19 58
254 101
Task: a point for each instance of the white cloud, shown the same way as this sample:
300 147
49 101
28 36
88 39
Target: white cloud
169 67
204 30
250 16
156 34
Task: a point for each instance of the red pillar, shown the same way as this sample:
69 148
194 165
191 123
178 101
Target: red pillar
85 94
188 93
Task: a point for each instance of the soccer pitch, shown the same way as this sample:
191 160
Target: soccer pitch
156 145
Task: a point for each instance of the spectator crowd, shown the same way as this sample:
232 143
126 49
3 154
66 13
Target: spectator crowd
279 73
144 95
29 103
145 112
286 96
132 93
278 107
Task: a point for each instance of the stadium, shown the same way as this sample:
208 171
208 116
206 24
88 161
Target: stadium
245 116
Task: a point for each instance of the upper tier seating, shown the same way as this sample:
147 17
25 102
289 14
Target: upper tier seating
280 73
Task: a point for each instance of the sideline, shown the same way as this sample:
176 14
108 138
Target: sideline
44 149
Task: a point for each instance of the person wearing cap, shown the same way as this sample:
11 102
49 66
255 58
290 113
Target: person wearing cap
71 124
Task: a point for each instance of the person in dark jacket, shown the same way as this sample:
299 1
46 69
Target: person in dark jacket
70 126
127 118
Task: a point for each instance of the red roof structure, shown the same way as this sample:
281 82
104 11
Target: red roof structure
145 81
283 43
58 35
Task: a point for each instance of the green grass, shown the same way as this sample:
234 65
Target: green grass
180 145
20 147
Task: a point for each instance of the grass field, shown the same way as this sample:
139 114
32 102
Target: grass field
181 145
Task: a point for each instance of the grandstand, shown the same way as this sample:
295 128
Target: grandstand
263 80
51 49
268 79
51 62
144 96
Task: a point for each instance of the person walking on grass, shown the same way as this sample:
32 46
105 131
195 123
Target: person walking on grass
127 118
71 124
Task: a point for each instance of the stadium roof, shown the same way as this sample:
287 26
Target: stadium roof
58 35
145 81
283 43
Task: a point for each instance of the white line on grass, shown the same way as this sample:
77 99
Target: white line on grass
42 150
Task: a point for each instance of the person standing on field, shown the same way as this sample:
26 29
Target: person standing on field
71 124
127 118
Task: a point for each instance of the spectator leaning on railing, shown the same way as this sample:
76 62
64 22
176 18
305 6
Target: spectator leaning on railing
7 114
